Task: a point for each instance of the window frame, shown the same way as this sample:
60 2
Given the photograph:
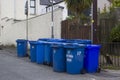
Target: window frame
33 6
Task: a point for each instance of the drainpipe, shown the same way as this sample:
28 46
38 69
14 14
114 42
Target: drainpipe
27 7
27 21
0 25
52 24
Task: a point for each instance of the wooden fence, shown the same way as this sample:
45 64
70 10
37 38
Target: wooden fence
73 30
70 29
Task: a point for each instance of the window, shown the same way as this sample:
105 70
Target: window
32 7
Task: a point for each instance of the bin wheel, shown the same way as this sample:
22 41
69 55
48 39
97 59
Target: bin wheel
29 57
50 64
98 70
83 71
45 63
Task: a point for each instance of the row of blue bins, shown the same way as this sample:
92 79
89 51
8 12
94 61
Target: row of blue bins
72 56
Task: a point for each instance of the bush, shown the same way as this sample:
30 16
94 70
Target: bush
115 34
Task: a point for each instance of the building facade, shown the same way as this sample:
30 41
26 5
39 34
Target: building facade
16 8
11 10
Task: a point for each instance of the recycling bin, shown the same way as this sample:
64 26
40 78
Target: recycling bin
21 47
59 57
91 60
40 51
74 58
33 45
48 56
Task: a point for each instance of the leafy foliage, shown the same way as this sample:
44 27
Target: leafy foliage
70 17
115 34
116 3
78 6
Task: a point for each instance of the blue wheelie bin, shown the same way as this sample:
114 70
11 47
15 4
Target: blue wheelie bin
91 60
74 58
59 57
48 59
48 53
21 47
33 49
40 51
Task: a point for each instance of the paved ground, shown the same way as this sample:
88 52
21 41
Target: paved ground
14 68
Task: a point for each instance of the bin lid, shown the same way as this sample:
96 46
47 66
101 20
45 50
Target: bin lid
21 40
71 41
80 41
56 40
74 45
57 44
81 45
33 42
45 42
37 42
89 46
41 42
51 40
86 41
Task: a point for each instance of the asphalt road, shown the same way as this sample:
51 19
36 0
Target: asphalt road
14 68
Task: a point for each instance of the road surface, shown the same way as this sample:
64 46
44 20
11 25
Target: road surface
14 68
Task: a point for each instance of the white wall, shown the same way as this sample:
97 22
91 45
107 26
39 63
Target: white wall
7 8
13 9
65 10
16 9
39 27
19 9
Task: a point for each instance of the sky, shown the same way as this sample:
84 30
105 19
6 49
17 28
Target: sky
102 3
